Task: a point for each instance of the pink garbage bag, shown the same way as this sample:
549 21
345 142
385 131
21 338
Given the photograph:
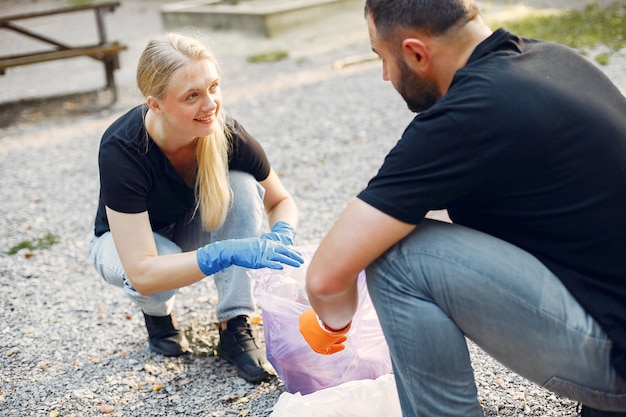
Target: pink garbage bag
282 298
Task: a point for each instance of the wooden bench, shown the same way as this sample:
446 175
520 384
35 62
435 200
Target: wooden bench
104 51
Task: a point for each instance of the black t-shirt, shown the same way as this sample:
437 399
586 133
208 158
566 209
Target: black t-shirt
135 176
529 145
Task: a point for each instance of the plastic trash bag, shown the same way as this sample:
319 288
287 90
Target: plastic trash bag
283 299
364 398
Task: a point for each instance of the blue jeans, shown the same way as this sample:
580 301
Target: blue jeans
445 282
234 290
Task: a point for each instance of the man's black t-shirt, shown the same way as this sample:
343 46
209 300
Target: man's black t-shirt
135 176
528 145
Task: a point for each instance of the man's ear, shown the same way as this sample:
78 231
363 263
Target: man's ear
416 54
153 104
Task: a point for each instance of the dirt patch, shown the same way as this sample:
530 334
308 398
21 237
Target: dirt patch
55 108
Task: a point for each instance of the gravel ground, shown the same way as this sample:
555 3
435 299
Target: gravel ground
70 345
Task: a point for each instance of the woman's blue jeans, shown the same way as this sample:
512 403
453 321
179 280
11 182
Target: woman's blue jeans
445 282
234 290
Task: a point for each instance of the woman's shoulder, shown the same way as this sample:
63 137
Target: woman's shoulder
239 136
128 128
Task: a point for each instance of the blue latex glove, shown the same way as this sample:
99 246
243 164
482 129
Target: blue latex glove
281 232
250 253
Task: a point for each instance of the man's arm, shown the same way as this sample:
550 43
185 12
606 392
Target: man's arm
361 234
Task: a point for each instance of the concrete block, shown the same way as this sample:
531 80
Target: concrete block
257 17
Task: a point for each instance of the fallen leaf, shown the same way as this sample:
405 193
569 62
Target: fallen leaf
102 313
54 413
157 387
13 352
230 398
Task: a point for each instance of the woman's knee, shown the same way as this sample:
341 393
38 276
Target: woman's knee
165 246
245 217
247 192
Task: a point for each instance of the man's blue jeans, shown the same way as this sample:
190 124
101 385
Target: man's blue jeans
445 282
234 288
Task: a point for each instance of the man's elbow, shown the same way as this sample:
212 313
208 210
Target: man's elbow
321 284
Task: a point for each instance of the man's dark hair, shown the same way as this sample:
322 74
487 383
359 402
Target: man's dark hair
434 17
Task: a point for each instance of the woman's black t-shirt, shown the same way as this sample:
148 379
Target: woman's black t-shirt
135 176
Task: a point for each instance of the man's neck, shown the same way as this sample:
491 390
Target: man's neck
454 50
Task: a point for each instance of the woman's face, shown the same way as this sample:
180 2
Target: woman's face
192 100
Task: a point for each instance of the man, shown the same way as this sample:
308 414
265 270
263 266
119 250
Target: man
524 143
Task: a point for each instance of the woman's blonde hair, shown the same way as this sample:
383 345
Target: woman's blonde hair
157 63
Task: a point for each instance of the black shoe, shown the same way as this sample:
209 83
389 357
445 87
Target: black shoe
164 336
237 346
592 412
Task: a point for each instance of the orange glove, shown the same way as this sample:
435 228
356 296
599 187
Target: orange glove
322 340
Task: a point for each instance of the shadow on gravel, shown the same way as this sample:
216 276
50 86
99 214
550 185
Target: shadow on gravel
55 108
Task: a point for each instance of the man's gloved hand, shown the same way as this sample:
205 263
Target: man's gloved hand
324 341
281 232
251 253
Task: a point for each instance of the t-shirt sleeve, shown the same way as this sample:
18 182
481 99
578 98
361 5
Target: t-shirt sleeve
123 181
426 169
247 153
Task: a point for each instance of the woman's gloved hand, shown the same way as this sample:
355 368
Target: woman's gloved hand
281 232
250 253
322 340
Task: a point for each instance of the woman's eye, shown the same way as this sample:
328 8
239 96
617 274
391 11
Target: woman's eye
192 96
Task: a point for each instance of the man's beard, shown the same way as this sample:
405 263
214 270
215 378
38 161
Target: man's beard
419 93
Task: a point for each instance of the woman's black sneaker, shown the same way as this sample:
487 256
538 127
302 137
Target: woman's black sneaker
238 346
164 336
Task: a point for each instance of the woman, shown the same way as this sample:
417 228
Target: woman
182 193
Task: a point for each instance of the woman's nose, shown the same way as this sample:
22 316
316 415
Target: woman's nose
209 102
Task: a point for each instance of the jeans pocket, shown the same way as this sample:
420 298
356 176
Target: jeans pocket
590 397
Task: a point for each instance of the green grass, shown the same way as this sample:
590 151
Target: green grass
44 242
585 29
272 56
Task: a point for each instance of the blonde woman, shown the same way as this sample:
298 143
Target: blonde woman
183 190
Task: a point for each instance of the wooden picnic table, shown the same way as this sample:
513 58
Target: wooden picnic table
104 50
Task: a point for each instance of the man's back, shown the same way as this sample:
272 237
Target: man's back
528 145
